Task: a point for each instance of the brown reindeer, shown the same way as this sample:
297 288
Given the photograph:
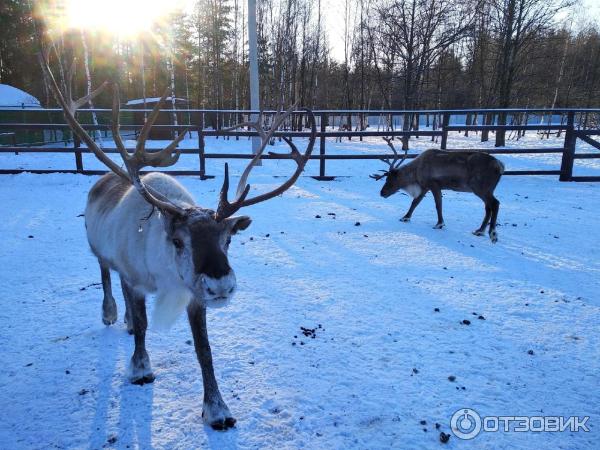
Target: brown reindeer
436 170
151 232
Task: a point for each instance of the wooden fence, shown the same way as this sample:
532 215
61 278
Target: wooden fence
571 124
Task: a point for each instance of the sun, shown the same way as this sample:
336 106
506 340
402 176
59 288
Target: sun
123 17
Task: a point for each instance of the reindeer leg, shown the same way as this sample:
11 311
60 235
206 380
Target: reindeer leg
140 370
495 206
128 319
437 196
413 206
488 212
481 230
109 307
214 410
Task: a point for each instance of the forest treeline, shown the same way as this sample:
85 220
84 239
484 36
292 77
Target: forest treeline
400 54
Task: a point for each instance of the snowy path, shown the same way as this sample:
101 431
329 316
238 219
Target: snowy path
371 287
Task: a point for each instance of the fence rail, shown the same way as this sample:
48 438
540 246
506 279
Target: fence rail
573 123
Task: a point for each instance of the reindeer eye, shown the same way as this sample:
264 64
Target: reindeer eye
178 243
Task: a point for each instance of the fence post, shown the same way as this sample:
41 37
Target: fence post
445 123
322 145
78 159
201 152
568 156
201 149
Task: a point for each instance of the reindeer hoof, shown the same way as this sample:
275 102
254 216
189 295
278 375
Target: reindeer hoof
108 321
109 311
146 379
438 226
478 233
222 425
217 415
405 219
493 236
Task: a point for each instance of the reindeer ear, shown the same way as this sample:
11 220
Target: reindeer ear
238 223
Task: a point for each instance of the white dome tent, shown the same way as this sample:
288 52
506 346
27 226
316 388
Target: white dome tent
15 105
12 97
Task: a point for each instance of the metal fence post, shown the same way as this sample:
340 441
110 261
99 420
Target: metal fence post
568 156
445 123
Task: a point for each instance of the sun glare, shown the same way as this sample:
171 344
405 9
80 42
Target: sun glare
123 17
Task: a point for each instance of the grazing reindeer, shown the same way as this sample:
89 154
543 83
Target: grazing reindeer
149 230
435 170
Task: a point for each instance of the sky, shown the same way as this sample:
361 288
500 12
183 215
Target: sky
582 11
333 12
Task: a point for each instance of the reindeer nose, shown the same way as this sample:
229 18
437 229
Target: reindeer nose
221 288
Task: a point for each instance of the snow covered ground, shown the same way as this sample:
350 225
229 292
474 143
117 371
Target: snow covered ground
328 256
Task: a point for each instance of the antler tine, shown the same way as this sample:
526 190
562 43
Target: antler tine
393 164
134 162
265 138
145 132
69 110
377 177
226 209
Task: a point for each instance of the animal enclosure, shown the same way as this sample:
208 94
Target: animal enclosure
569 126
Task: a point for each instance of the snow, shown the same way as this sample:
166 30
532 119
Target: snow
13 97
366 282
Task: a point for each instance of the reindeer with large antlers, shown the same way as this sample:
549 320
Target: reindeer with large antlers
149 230
436 170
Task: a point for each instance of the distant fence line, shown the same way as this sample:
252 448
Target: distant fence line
574 124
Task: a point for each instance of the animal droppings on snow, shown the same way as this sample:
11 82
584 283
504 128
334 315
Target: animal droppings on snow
452 378
444 438
30 236
530 352
317 216
357 224
466 322
481 318
436 309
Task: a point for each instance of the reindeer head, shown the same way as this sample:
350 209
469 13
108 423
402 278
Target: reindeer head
197 238
198 245
393 175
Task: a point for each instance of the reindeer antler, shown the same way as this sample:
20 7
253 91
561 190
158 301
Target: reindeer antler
392 164
225 208
133 162
141 158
